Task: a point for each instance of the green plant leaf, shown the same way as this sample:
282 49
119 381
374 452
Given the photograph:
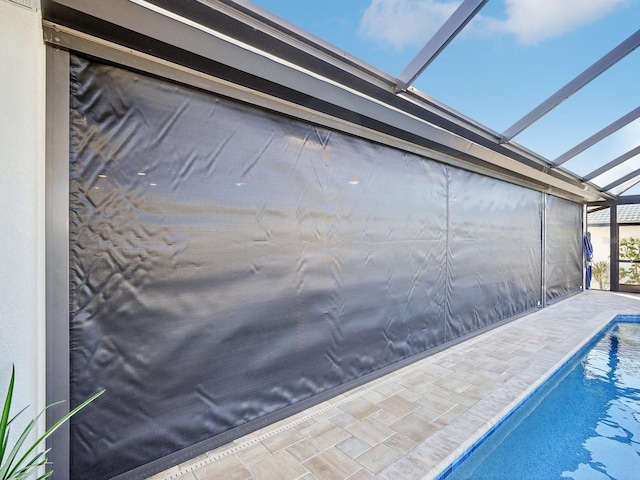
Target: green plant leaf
31 460
7 471
4 420
53 428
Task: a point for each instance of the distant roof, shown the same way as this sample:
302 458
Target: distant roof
626 214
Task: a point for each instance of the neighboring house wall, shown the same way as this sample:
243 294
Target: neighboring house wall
22 286
601 241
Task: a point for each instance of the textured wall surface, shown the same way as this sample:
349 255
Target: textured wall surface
22 204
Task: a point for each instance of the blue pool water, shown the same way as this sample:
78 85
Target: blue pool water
584 423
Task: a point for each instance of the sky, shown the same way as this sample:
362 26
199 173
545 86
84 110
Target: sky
510 58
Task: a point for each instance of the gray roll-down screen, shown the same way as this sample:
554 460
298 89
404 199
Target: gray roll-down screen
228 263
494 250
563 248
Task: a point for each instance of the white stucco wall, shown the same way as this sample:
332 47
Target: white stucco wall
601 240
22 175
601 243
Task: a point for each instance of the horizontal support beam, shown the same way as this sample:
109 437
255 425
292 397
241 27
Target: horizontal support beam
621 200
597 209
628 200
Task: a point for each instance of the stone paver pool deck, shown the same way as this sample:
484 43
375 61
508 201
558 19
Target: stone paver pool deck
412 423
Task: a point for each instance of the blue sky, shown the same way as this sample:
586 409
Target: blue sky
509 59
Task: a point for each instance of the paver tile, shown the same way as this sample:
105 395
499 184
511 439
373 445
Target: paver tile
229 467
374 397
330 437
332 465
279 466
378 458
353 447
389 388
303 450
400 442
360 408
370 431
398 405
317 429
409 395
309 422
361 475
414 427
408 467
343 419
436 403
253 453
385 417
282 439
308 476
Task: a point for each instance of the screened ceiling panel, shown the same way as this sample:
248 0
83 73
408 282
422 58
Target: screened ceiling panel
634 190
598 136
586 112
599 155
510 58
479 75
497 78
625 187
615 176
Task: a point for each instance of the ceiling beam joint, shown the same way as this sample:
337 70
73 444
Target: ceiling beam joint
445 34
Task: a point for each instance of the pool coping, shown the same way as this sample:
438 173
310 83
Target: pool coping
464 450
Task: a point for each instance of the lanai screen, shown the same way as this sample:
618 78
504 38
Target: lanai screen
563 248
228 263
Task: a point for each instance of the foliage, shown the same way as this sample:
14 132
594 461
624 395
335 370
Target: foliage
15 465
630 250
600 272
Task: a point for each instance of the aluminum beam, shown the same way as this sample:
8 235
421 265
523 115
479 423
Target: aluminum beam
57 254
613 163
602 134
620 181
628 200
614 250
610 59
445 34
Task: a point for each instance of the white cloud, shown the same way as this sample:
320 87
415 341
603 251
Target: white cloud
404 22
533 21
400 23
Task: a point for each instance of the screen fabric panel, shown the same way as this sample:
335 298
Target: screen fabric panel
563 247
494 251
227 262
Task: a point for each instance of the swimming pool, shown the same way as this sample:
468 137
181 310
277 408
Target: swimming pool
583 423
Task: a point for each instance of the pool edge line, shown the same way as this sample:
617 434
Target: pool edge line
446 465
